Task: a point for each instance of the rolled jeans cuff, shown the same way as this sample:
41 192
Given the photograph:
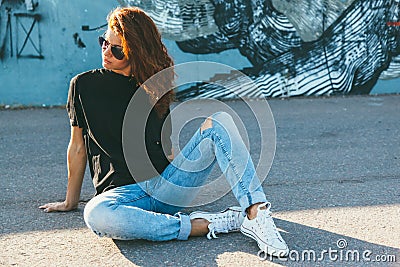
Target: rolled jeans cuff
186 226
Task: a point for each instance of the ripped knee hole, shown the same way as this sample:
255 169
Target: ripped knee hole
206 124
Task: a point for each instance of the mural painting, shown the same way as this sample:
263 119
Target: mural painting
358 44
287 47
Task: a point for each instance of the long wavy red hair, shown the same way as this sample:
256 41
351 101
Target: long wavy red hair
146 54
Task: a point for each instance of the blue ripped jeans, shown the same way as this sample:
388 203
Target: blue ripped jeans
150 209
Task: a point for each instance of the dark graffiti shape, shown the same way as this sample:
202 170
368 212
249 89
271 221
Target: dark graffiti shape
347 59
78 41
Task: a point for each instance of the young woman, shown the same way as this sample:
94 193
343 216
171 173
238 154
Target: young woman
129 208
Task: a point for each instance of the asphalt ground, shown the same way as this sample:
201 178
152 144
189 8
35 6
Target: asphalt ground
334 185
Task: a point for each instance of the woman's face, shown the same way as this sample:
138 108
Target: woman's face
108 59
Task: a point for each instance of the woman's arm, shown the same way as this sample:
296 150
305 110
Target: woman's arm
76 161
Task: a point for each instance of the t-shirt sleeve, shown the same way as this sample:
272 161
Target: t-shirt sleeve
74 107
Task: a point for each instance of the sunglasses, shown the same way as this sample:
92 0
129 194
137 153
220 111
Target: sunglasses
115 50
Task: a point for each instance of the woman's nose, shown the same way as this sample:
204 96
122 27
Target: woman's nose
107 50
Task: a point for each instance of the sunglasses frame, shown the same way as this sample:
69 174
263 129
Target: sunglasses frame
116 51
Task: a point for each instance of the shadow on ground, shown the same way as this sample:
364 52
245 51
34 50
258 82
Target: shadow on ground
308 246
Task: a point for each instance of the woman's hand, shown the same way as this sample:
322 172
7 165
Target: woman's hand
58 206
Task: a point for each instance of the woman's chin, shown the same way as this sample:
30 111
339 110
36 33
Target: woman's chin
106 64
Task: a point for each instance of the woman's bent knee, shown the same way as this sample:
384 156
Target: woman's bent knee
223 117
206 124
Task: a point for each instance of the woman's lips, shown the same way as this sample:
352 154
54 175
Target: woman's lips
106 61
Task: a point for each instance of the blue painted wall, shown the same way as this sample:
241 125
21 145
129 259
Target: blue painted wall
31 81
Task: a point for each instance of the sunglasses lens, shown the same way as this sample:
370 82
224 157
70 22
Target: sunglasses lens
101 41
117 52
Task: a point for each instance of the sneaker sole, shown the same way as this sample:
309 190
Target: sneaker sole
269 249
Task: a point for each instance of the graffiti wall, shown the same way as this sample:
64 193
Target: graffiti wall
325 47
288 48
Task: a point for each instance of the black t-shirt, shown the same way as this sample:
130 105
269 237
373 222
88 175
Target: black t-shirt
97 102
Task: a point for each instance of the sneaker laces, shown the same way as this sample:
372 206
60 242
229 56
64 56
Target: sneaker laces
265 218
223 224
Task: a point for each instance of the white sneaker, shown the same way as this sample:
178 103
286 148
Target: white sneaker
225 221
263 230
